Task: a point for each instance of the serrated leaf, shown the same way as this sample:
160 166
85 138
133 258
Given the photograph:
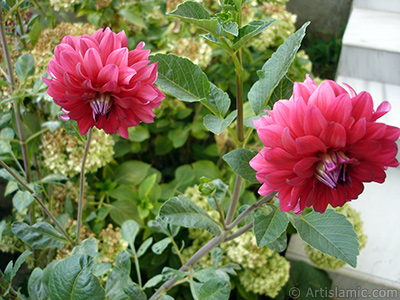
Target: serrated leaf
216 124
24 67
144 246
3 225
72 278
330 233
211 38
181 78
134 292
159 247
269 224
218 101
40 235
18 263
283 90
21 200
247 32
279 244
238 160
54 178
119 276
88 247
36 288
129 231
215 289
184 212
169 273
231 28
194 13
275 68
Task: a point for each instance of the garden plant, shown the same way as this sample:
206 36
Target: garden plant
166 150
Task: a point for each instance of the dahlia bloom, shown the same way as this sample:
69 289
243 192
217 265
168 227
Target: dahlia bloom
98 82
321 145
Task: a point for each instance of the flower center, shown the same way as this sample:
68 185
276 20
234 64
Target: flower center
331 170
101 105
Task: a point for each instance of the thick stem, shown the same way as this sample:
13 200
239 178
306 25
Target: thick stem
18 178
250 209
235 200
242 230
81 187
191 262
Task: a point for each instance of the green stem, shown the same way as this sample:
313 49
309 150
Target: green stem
235 200
21 26
81 187
24 184
178 251
221 213
137 266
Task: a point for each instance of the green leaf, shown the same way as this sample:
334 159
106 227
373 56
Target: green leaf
52 125
21 200
138 133
169 273
283 90
89 247
54 178
20 260
184 212
218 102
132 16
11 187
238 160
129 231
71 126
215 289
269 224
134 292
40 235
132 172
144 246
275 69
36 288
101 269
181 78
206 168
159 247
194 13
247 32
153 281
72 278
231 28
279 244
6 134
330 233
119 276
24 67
216 124
216 256
123 193
124 210
3 225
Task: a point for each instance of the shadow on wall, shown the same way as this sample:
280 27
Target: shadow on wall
328 17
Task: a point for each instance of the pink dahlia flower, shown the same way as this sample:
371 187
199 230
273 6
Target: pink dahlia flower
98 82
322 145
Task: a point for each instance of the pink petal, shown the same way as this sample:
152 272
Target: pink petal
309 145
382 110
118 57
357 132
107 74
314 122
306 167
334 136
362 106
123 131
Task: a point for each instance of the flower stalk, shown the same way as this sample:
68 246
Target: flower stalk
81 186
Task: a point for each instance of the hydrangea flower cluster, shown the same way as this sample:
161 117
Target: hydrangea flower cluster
62 153
321 145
